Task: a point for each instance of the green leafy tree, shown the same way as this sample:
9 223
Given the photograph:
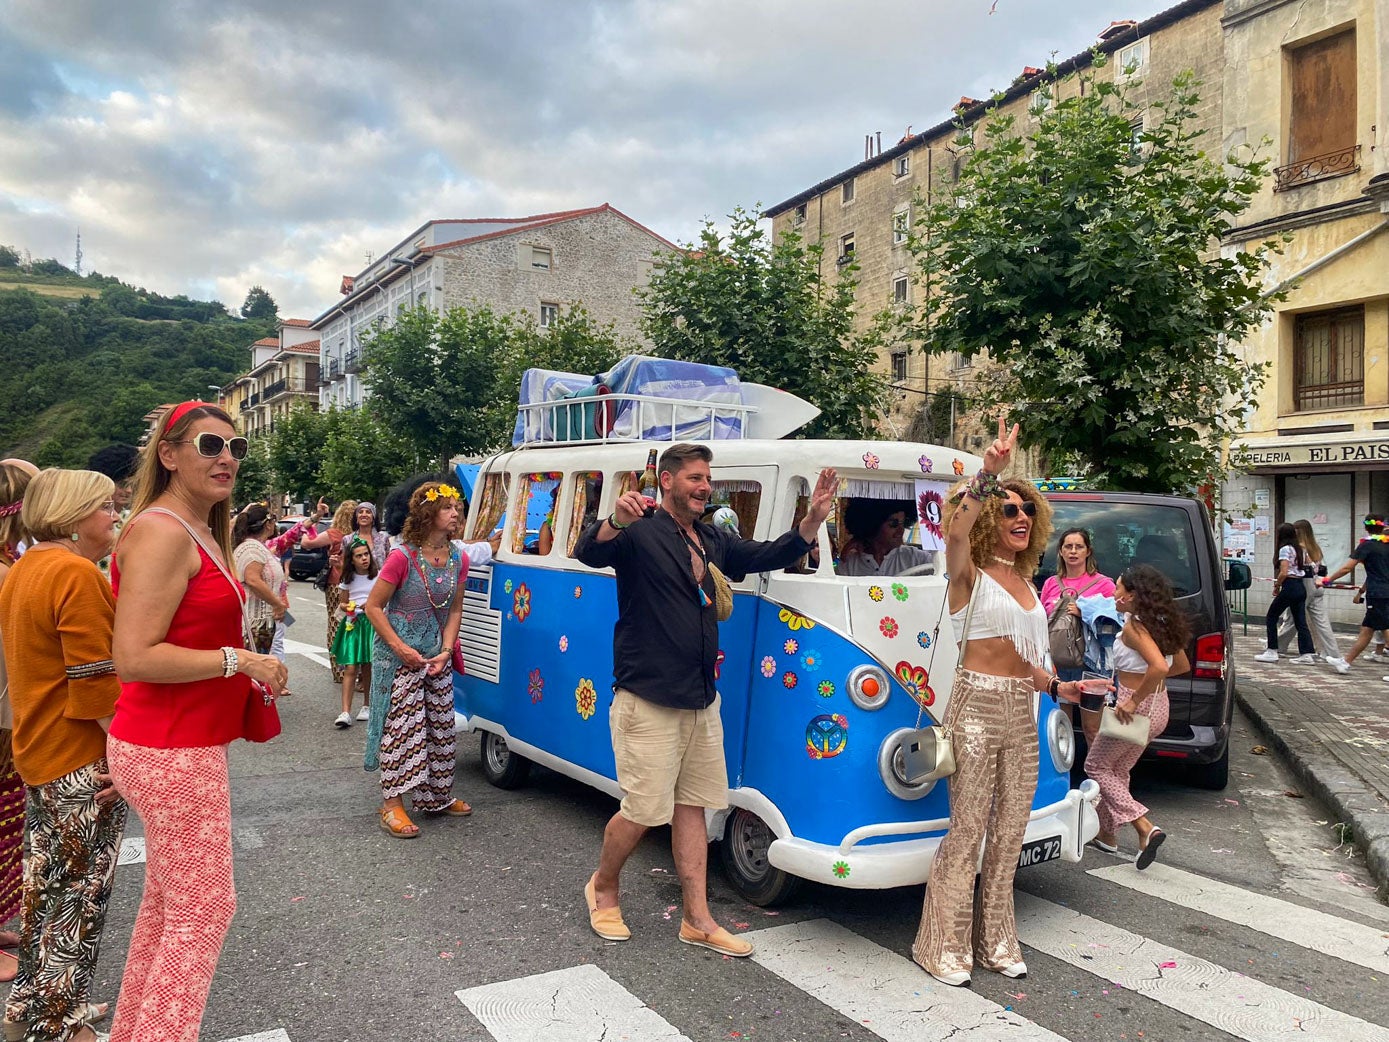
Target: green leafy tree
295 452
1086 263
255 481
763 309
362 456
9 257
259 304
449 383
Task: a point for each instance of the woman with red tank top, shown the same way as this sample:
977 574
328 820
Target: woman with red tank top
185 681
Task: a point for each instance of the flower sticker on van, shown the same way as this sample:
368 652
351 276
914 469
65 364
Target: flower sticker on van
521 602
917 682
793 621
888 626
811 660
790 645
768 666
789 680
826 736
926 464
875 593
585 698
536 685
871 461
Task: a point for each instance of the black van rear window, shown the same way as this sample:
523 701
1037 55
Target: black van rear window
1130 533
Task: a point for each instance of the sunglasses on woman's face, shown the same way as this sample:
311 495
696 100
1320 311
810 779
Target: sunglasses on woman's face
211 445
1010 510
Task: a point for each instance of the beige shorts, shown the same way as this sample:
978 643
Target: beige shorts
666 756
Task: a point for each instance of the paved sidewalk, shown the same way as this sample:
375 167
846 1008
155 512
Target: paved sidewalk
1332 729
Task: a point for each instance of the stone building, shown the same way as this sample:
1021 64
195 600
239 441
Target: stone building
862 214
536 266
1313 79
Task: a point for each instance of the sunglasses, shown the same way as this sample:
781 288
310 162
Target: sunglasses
1010 510
211 445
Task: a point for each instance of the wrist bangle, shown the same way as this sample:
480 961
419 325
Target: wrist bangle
612 520
981 487
1054 687
229 662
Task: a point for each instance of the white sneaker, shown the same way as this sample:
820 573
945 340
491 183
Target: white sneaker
343 720
1340 665
1305 660
364 713
1379 654
1268 655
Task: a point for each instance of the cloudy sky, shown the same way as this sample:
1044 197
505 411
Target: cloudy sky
202 147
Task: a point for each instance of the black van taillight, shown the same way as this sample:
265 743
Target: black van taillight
1210 657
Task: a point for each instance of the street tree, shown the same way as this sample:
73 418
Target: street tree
449 383
1085 261
361 455
763 309
295 452
255 477
259 304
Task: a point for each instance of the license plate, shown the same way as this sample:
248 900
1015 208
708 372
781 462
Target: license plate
1039 850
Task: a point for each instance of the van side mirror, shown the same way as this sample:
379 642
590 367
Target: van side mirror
1237 575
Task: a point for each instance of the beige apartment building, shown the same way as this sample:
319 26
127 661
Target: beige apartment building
284 371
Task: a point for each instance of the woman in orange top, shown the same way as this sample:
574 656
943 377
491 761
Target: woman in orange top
56 611
185 690
14 479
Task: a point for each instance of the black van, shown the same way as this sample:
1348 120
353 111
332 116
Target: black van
1174 535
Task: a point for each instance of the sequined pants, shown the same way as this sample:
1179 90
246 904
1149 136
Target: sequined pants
994 737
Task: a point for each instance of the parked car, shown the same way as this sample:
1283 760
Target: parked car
306 564
1173 534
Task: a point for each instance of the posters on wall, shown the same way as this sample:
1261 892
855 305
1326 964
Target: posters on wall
930 512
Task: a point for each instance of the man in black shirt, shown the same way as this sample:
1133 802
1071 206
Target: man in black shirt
1373 553
666 731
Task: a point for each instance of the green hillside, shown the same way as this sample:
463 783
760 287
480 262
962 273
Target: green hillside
84 358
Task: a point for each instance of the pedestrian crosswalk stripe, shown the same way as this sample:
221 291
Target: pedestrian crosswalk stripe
278 1035
312 652
1234 1003
132 851
1306 927
882 991
579 1004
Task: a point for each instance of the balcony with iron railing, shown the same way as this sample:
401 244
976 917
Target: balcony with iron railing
1317 168
288 385
351 360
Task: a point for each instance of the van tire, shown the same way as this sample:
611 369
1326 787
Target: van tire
502 767
1214 775
743 851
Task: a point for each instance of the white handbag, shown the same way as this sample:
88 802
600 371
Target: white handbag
1135 732
927 752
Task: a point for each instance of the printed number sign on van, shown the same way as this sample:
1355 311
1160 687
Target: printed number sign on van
930 512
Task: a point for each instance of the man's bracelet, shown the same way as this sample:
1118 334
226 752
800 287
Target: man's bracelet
612 520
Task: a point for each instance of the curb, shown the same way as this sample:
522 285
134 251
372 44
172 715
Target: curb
1353 802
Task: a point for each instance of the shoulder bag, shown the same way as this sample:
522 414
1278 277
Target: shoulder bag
927 752
1135 732
260 721
1066 632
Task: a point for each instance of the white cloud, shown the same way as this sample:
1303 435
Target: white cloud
203 147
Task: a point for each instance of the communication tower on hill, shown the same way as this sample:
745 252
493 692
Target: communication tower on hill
77 261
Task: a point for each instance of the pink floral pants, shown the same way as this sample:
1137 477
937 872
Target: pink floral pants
183 797
1110 760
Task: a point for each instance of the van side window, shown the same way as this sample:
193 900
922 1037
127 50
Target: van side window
743 498
588 494
799 496
489 508
538 503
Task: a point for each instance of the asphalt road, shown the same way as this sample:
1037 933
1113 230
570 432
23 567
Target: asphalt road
345 933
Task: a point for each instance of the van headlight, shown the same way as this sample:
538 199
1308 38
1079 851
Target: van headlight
1061 740
892 767
868 687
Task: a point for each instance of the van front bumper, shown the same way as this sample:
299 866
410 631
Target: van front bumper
903 862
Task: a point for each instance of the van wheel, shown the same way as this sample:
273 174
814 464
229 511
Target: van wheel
746 838
1215 775
502 767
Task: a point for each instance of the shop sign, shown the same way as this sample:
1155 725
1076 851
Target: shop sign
1293 454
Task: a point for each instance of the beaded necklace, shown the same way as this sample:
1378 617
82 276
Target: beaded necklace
439 580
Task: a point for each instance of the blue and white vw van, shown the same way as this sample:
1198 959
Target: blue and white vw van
821 675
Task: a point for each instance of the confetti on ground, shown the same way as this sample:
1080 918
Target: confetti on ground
1169 965
669 909
446 955
740 926
293 899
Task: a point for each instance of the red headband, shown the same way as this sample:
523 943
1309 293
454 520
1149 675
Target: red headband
179 411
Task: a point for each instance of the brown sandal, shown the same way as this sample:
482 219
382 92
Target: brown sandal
395 821
456 809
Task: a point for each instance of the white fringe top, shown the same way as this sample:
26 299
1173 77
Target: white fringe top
998 614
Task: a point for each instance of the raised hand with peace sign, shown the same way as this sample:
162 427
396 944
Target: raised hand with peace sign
1000 454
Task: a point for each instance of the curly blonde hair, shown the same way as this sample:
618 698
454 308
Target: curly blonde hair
983 537
419 522
345 517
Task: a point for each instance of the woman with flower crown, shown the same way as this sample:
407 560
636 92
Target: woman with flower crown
415 607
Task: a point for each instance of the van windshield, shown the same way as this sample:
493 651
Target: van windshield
1124 534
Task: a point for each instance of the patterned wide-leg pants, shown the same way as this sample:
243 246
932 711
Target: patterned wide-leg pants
1110 760
331 598
183 798
994 738
418 744
71 846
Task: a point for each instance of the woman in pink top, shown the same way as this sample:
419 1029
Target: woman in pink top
1078 575
185 683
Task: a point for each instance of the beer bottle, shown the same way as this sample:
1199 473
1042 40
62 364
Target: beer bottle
648 484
